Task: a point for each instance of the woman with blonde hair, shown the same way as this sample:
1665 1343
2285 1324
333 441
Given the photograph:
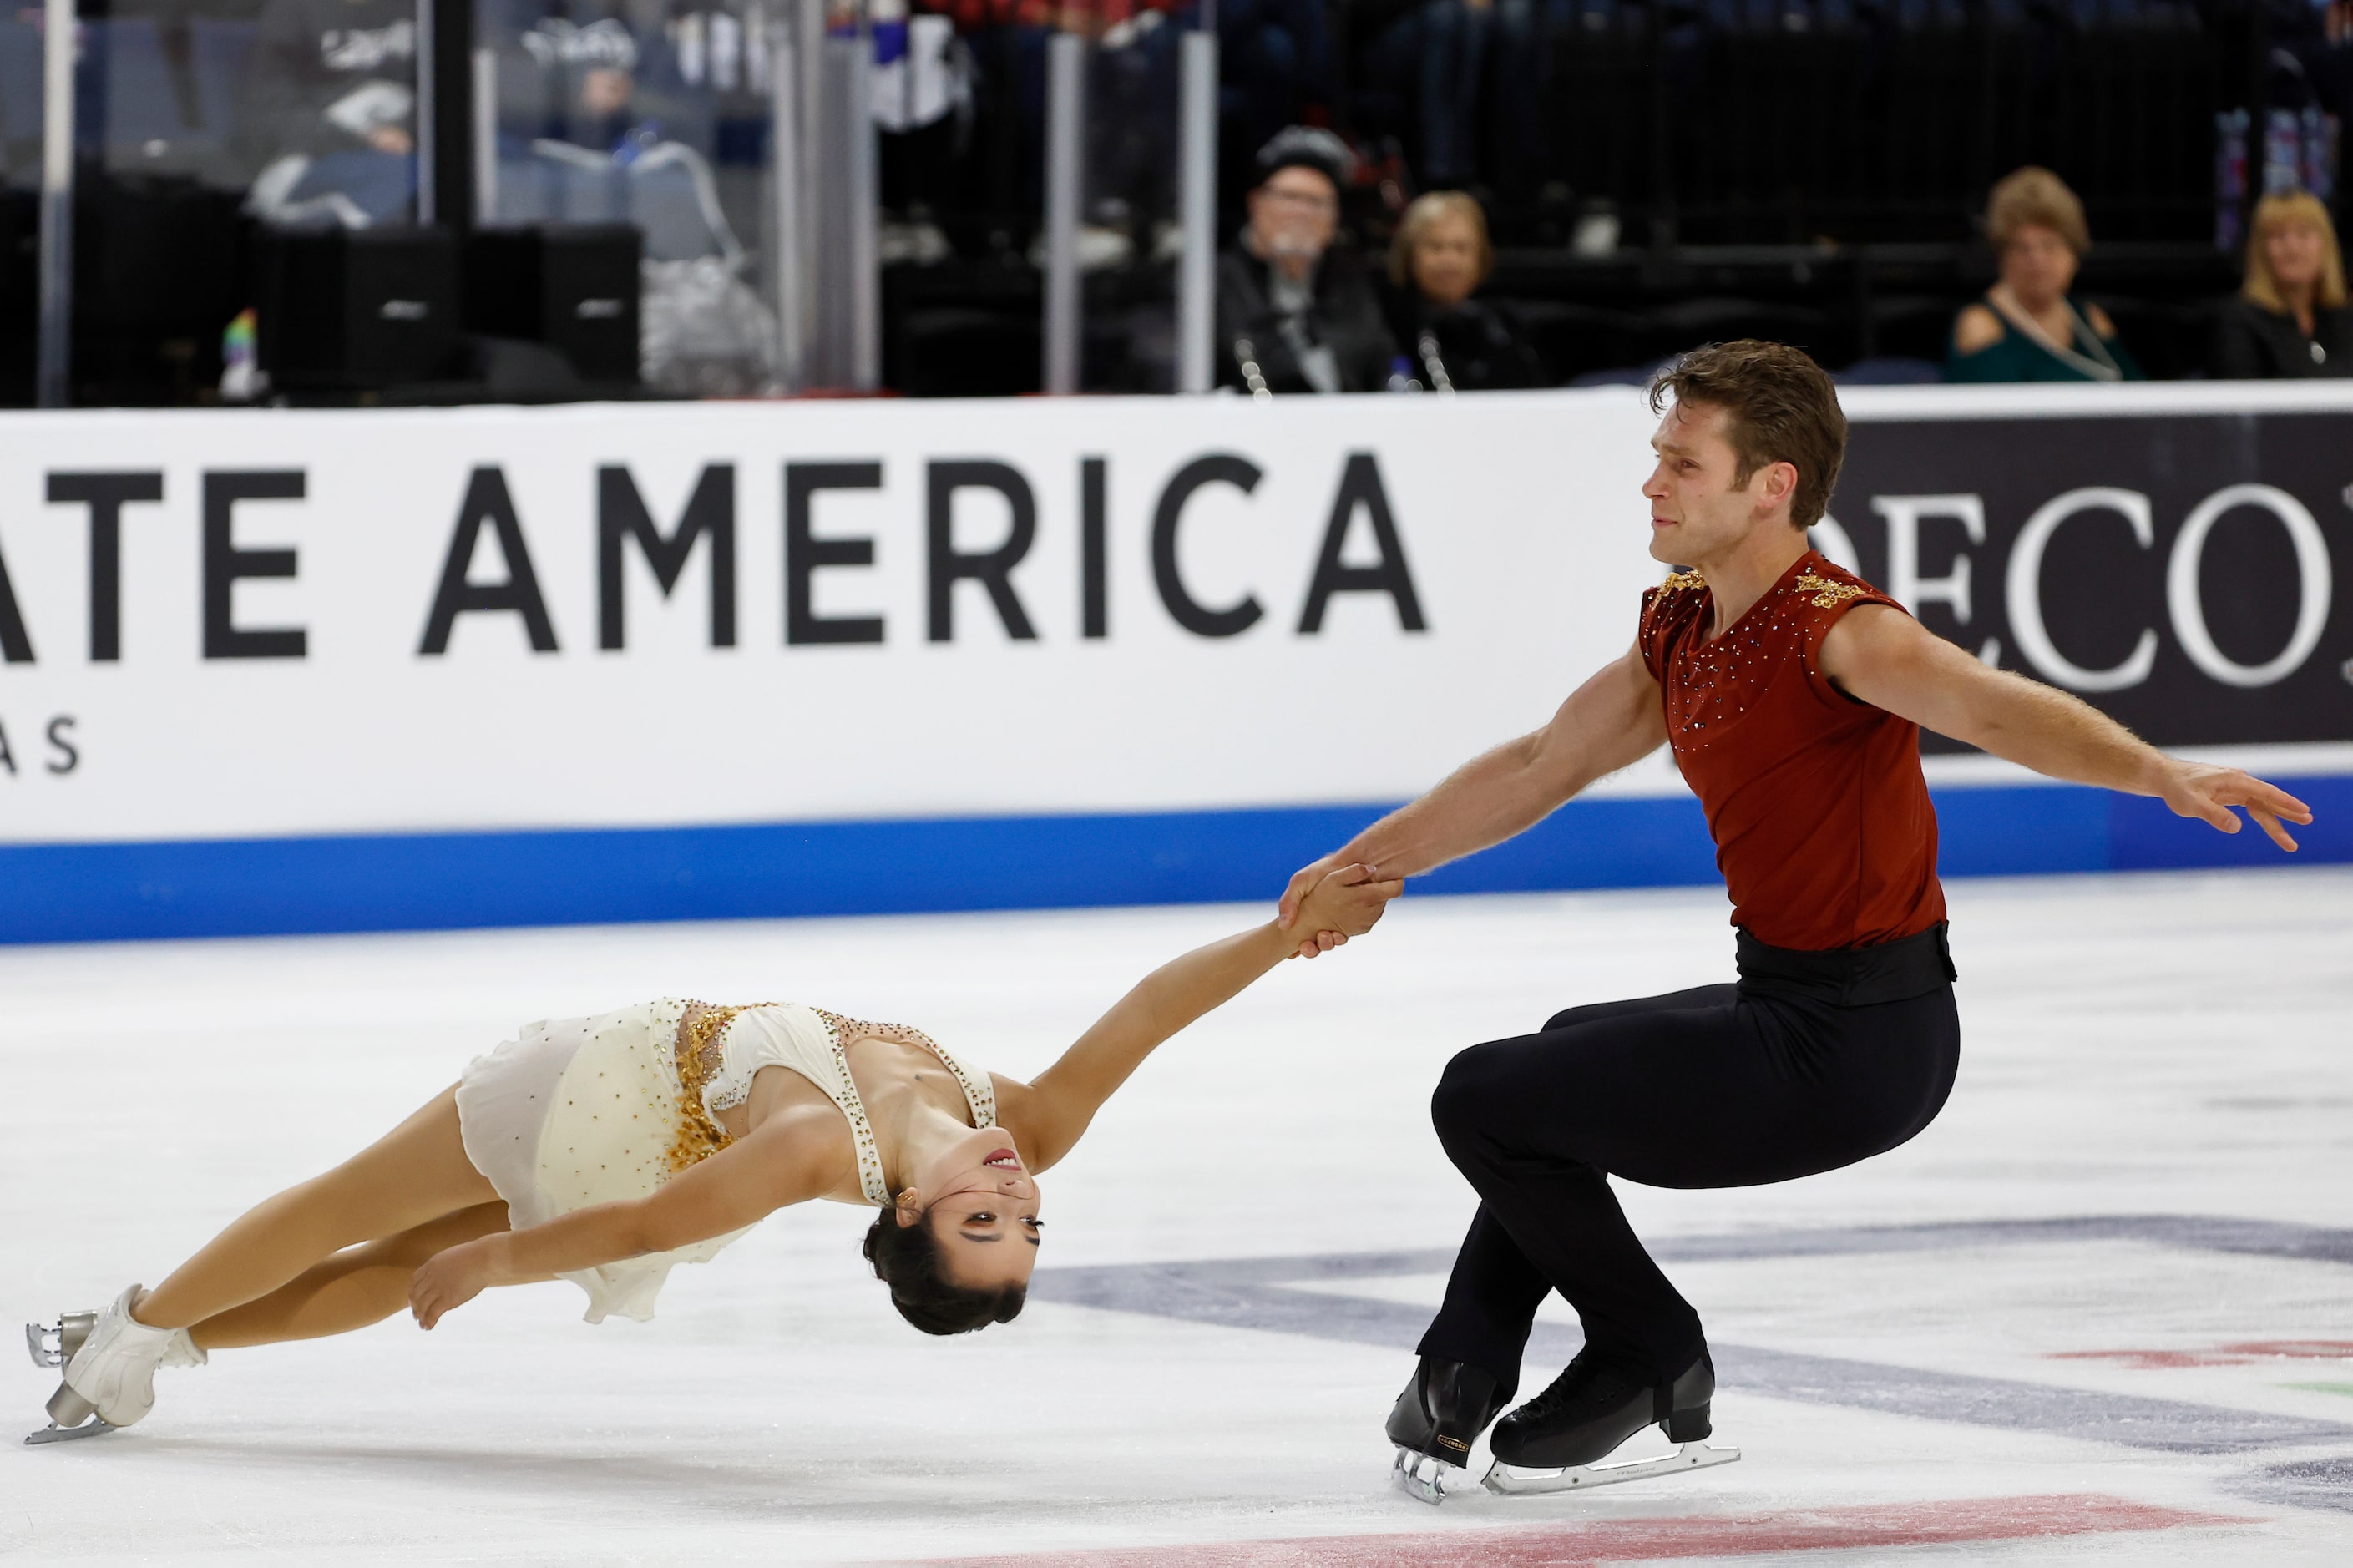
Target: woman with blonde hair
1455 343
2029 327
2289 320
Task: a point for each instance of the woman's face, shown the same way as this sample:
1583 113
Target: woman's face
983 1207
2037 266
2295 252
1446 260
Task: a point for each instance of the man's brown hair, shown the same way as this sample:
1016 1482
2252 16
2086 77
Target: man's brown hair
1782 409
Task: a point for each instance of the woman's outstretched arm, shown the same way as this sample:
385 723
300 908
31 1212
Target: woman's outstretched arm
1054 1111
774 1165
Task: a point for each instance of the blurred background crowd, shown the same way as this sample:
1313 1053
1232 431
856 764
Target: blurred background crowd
1426 195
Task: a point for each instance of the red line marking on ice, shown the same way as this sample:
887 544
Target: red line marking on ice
2239 1354
1598 1542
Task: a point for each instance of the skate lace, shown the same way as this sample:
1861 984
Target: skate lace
1579 1384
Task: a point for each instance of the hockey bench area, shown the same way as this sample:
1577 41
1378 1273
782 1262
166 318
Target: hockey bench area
2102 1311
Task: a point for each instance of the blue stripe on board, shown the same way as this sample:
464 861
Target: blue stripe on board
81 892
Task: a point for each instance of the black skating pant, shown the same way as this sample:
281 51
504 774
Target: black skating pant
1813 1060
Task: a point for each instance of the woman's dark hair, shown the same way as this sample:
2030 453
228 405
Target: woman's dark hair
908 1258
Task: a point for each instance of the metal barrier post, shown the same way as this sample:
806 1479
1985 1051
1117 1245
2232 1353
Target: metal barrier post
787 192
486 137
1066 109
862 163
53 386
1196 211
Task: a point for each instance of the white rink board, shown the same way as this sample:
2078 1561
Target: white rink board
1519 518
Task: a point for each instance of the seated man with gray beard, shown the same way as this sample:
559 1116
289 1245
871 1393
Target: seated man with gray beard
1294 313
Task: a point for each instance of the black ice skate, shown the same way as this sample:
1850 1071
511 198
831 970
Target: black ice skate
1560 1440
1443 1409
70 1416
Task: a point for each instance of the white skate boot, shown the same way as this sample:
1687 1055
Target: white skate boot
109 1361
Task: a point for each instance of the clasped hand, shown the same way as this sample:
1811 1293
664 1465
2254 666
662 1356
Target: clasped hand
1327 903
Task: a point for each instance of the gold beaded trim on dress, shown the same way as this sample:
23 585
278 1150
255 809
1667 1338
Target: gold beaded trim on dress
700 1057
1677 580
699 1136
1828 592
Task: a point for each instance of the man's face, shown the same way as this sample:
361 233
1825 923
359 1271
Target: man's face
1293 215
1700 509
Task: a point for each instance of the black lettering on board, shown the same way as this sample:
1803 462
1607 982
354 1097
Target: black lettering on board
105 494
1360 486
1219 467
487 501
8 757
15 647
69 756
226 566
805 554
993 569
1095 572
621 515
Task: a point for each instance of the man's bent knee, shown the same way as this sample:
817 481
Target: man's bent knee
1469 1093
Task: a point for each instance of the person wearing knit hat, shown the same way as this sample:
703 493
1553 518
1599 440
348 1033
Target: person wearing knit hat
1295 311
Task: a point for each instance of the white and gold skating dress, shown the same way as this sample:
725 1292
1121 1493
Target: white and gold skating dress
575 1112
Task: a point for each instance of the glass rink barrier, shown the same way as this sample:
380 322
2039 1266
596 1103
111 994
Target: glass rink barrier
648 126
186 124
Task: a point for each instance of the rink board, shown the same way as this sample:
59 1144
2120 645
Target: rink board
425 881
385 669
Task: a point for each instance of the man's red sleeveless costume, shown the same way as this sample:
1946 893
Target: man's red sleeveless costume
1839 1041
1821 820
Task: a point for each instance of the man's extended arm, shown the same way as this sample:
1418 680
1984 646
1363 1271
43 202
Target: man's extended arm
1611 721
1888 660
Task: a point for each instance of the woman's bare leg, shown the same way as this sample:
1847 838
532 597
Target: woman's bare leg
413 1175
358 1286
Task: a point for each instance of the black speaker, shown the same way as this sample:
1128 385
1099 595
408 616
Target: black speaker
358 309
573 286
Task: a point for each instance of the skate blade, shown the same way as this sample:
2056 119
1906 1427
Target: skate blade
46 1344
53 1433
1424 1477
1508 1481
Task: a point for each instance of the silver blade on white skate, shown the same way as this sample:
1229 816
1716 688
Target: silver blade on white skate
1424 1477
1513 1482
45 1343
70 1416
53 1433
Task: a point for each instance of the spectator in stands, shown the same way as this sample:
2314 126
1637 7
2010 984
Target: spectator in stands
1457 343
2290 319
1297 313
2030 327
334 105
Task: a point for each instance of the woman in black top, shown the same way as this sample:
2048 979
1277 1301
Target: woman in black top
1454 342
2290 319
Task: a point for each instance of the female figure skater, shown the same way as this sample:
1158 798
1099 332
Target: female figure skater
604 1150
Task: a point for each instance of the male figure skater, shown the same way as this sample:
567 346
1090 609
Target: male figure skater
1792 693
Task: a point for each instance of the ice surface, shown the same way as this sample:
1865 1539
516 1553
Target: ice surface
2151 1046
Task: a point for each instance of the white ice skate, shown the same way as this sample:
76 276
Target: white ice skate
1512 1480
110 1360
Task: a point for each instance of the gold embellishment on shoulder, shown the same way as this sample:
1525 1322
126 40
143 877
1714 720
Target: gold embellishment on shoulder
1678 580
1828 592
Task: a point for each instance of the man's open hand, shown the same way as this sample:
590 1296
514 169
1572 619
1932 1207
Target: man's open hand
2204 790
